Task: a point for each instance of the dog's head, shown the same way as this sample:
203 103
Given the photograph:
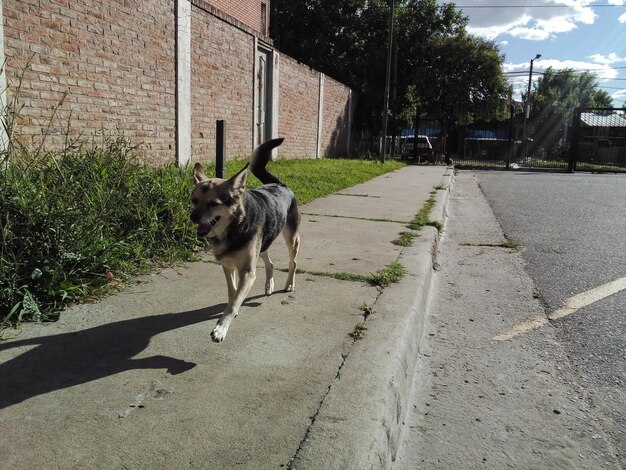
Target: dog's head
216 201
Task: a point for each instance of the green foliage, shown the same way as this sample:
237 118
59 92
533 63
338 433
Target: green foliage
390 274
439 69
69 219
422 218
404 238
556 95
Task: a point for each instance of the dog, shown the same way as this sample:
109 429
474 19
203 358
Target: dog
241 225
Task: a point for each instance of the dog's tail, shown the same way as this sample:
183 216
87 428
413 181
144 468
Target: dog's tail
260 158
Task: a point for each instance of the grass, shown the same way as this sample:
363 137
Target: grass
390 274
422 219
311 179
358 332
423 216
405 238
75 224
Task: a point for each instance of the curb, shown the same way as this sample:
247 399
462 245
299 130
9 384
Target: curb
359 424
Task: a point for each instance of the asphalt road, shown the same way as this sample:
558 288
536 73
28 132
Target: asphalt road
572 232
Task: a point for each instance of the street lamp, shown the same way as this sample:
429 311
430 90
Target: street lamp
387 80
527 110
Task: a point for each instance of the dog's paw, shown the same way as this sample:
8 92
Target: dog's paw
269 287
219 333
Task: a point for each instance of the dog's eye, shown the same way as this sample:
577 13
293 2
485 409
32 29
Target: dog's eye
213 203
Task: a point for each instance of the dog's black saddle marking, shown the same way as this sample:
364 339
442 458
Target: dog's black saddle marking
266 210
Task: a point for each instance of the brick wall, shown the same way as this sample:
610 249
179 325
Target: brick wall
222 70
335 122
112 67
298 108
114 60
246 11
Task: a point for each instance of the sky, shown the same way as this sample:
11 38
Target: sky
584 35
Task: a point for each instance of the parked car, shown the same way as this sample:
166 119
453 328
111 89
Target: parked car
424 147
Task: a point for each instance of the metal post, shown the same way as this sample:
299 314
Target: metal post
510 141
387 80
527 109
573 144
220 147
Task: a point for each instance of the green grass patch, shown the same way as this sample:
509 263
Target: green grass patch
359 331
69 219
423 216
310 179
390 274
405 238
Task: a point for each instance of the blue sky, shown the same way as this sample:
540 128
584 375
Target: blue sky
578 34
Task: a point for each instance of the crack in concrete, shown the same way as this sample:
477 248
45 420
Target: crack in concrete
344 357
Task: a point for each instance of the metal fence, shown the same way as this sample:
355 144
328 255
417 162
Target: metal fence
595 141
598 141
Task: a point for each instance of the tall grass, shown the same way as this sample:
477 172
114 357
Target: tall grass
67 220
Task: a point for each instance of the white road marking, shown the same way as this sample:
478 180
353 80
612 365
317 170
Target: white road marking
572 305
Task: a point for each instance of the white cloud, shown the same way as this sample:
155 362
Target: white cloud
532 34
517 73
526 21
612 58
622 18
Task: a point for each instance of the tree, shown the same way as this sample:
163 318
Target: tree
438 68
554 98
462 81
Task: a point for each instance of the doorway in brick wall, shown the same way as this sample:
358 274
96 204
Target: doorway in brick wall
263 98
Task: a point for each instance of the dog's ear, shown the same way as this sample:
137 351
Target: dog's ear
198 174
238 181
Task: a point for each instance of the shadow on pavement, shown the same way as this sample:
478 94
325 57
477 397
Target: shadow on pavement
65 360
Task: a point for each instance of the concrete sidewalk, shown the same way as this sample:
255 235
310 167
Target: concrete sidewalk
135 382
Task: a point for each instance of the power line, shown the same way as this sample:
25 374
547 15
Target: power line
535 6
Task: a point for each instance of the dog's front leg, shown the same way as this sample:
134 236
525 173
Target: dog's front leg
231 281
246 279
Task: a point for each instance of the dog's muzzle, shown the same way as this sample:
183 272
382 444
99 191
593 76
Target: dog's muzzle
205 227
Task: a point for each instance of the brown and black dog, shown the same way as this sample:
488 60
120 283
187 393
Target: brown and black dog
241 225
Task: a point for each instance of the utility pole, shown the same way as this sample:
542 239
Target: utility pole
527 107
387 80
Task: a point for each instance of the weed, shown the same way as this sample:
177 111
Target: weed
366 310
390 274
70 219
512 244
359 332
423 216
435 223
405 238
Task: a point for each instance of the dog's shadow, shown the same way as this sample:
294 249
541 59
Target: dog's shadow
68 359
